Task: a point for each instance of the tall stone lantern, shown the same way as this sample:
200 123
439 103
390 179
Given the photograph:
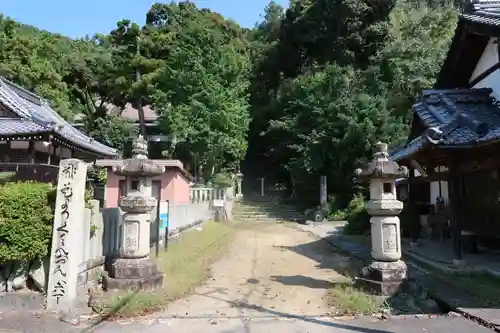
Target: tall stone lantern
387 271
133 268
239 180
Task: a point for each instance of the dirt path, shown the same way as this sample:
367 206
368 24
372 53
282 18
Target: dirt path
270 268
271 273
273 279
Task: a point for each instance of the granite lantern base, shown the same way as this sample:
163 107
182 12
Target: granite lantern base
383 278
124 273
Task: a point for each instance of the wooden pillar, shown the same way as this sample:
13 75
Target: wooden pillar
454 188
49 154
52 154
31 152
414 219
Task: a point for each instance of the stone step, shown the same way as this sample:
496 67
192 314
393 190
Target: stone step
268 215
269 220
274 211
265 208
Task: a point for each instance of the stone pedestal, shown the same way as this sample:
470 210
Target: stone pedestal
133 268
129 273
383 278
386 272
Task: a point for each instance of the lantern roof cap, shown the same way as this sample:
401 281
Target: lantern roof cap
381 167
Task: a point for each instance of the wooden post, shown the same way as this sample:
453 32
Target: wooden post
31 151
262 187
414 220
454 187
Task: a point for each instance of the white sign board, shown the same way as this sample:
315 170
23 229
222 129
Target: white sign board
67 235
218 203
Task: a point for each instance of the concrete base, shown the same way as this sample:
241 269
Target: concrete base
122 273
383 278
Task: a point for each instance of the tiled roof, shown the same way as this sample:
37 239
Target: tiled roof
37 115
483 11
15 126
457 117
128 112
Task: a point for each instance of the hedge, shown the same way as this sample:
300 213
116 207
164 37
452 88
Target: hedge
26 218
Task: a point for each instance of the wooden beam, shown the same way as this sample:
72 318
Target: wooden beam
454 187
419 167
484 74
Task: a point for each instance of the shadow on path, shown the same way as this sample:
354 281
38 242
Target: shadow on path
301 280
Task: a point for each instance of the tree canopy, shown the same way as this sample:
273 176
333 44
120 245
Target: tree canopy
304 93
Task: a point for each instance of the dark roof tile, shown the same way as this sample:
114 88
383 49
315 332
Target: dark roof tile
30 107
458 117
483 11
13 126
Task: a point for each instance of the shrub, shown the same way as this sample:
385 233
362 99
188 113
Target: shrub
222 180
25 220
335 213
358 220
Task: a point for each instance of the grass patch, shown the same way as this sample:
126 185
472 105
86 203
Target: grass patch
359 239
480 285
346 299
186 264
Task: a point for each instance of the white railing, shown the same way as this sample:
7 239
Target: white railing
205 194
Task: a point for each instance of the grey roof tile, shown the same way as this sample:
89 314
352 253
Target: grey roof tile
411 148
12 126
30 107
483 11
458 117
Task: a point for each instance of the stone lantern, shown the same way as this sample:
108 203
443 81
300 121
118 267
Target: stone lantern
133 268
239 179
387 271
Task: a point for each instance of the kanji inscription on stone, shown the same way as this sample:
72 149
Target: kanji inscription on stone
132 236
389 238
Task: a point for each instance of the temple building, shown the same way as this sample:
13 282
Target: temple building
32 133
452 149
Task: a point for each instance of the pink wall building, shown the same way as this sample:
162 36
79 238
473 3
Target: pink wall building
172 185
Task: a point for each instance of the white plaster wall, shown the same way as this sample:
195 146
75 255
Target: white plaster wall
491 81
21 145
488 59
434 188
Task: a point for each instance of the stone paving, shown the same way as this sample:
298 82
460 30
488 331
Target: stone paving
262 324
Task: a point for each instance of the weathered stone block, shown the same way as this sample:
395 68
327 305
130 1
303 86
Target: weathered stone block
383 278
145 283
121 268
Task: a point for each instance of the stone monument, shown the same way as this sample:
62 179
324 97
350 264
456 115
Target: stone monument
387 271
133 268
67 235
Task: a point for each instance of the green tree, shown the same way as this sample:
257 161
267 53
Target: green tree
203 90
